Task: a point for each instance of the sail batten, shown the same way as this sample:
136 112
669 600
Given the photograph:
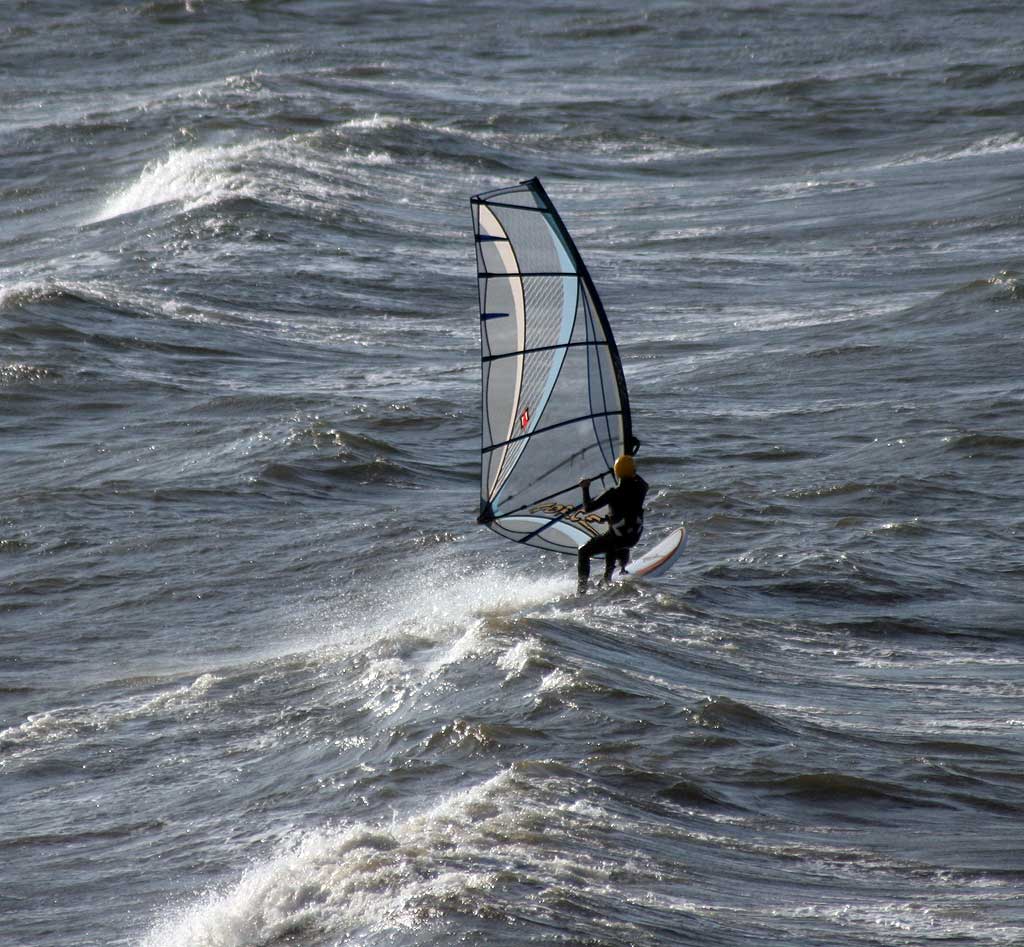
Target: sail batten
554 402
569 275
539 348
551 427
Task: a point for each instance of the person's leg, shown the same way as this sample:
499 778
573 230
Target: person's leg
582 570
593 547
609 564
583 563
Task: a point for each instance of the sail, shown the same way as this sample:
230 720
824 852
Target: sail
555 407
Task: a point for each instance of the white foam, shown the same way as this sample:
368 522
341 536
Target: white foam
517 658
193 178
995 145
445 603
556 681
67 722
374 121
467 645
288 172
791 189
17 294
416 628
918 919
338 879
174 699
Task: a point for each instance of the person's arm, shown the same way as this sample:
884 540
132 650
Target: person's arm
591 505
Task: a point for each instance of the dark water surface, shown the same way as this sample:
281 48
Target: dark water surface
265 682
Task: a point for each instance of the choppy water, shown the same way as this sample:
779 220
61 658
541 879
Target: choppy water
265 682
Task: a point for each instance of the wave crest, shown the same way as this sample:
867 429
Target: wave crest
193 178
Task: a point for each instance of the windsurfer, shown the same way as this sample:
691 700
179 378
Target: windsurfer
625 503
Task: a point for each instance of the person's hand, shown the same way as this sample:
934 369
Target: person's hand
585 482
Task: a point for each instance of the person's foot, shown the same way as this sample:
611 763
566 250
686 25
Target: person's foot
581 587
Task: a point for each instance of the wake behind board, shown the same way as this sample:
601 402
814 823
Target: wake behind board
658 560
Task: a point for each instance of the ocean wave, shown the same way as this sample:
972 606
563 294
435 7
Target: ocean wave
14 295
320 434
326 477
70 722
18 295
982 75
912 921
465 856
983 148
192 178
843 788
527 653
375 877
408 626
789 190
1007 286
738 718
992 445
103 293
290 172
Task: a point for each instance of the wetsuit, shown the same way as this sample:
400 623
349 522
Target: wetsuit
625 504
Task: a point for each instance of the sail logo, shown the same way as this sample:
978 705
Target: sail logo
563 511
524 418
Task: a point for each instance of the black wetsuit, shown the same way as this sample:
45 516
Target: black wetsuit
625 504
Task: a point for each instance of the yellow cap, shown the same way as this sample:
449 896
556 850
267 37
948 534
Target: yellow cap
624 467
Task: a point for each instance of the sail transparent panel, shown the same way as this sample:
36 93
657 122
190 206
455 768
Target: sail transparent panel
554 403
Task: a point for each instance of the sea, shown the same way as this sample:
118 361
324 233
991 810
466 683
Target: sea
265 681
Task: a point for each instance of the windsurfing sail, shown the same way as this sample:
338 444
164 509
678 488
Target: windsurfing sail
555 407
